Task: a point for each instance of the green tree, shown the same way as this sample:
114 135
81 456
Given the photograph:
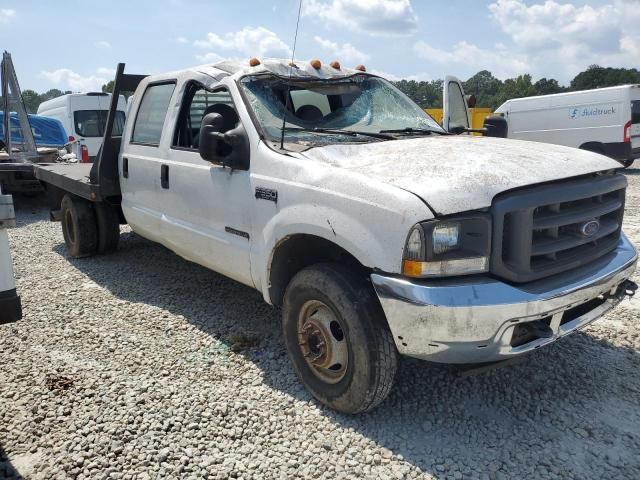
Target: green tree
53 93
425 94
108 87
32 100
518 87
547 86
484 86
597 77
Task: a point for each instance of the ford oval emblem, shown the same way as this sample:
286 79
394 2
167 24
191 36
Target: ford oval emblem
590 228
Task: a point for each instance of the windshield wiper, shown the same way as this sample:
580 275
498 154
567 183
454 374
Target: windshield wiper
411 131
337 131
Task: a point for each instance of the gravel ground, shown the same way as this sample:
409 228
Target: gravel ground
142 365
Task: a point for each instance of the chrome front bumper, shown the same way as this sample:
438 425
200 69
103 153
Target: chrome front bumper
473 319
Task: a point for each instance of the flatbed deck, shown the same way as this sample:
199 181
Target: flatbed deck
70 177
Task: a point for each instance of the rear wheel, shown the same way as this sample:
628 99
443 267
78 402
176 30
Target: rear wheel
79 227
338 339
627 163
108 223
594 147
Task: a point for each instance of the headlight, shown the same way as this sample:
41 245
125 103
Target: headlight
456 246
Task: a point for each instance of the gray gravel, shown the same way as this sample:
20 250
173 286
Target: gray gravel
142 365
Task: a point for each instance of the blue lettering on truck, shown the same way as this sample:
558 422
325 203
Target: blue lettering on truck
582 112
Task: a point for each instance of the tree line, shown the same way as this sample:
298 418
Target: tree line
490 91
33 99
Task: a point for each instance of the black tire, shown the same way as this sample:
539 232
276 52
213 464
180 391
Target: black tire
79 227
108 222
372 356
627 163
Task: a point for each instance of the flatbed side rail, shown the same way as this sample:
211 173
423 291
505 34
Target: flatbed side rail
105 167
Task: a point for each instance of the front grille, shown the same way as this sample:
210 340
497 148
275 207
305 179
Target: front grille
545 230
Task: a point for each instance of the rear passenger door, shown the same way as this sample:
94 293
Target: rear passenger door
141 160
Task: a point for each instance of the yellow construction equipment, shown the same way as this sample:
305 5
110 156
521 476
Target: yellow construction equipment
477 115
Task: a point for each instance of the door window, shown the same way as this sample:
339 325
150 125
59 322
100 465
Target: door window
91 123
197 103
152 114
458 113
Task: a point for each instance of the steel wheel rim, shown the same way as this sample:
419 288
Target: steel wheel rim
323 342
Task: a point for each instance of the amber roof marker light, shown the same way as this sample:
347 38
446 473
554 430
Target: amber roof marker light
361 68
315 63
254 62
335 65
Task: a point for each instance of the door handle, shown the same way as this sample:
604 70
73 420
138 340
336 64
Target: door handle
125 167
164 176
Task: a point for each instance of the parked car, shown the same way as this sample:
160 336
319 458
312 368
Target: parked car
10 305
84 116
379 232
604 120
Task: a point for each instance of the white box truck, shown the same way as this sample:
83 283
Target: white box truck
84 116
377 231
604 120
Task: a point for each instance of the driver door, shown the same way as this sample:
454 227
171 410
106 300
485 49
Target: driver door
455 111
206 219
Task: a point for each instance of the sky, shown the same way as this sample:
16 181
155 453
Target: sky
76 44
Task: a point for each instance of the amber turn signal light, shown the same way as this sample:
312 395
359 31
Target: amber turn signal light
411 268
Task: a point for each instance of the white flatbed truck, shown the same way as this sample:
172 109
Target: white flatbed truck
378 232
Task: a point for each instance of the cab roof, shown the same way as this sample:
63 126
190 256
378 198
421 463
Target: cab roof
302 70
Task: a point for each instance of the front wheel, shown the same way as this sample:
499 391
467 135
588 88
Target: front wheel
337 338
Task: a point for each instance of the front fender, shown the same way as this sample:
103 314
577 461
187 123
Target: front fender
361 236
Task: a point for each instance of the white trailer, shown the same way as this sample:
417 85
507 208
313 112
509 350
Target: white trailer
604 120
84 116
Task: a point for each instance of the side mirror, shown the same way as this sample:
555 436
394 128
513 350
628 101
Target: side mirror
210 137
455 112
495 126
229 149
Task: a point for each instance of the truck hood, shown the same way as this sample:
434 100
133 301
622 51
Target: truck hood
459 173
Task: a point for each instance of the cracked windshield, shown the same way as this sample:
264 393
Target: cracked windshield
358 109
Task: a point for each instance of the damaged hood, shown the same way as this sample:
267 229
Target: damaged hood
460 173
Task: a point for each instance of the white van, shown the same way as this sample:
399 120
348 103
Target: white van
84 116
604 120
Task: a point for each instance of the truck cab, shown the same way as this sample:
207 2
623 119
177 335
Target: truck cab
377 231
